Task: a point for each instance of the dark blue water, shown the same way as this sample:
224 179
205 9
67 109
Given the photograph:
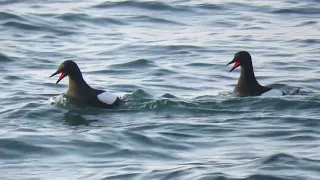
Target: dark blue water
167 60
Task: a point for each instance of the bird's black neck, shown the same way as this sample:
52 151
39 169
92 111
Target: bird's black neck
77 86
247 81
247 75
79 81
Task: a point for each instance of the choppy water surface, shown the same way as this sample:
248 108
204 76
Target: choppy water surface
167 60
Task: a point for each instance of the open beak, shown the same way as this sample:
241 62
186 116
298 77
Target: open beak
62 75
236 64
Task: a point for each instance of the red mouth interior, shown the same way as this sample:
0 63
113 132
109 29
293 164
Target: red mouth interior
62 75
236 64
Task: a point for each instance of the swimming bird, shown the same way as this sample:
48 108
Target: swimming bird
248 84
81 91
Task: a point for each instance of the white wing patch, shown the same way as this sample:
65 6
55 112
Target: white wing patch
107 98
272 92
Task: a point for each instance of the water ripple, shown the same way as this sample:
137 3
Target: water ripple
147 5
298 10
4 58
141 63
76 17
8 16
12 148
148 19
22 26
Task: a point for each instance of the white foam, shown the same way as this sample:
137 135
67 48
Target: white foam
107 98
272 93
